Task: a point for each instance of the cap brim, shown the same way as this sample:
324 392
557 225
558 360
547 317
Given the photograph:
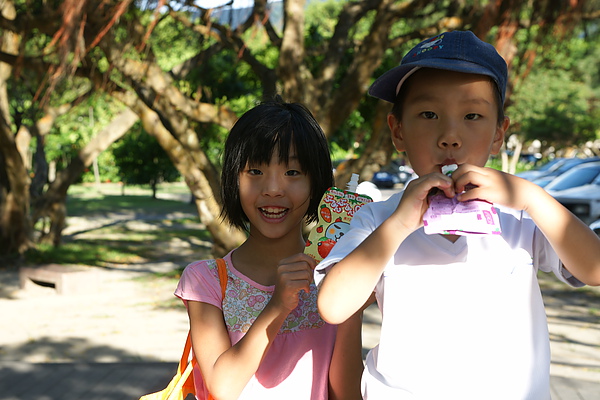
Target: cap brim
386 86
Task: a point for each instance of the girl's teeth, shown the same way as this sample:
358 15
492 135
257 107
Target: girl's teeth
271 212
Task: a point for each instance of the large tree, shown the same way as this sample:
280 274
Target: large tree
326 63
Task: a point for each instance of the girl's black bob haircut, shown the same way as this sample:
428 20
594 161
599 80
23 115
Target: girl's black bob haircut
274 125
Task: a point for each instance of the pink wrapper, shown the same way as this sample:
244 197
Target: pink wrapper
452 217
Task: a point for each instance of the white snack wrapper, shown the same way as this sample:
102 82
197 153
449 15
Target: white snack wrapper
452 217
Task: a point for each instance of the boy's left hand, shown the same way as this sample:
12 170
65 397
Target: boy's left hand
491 185
575 244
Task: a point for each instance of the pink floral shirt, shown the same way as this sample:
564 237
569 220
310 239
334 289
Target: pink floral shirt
297 363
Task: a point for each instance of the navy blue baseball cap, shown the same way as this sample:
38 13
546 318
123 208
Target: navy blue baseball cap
459 51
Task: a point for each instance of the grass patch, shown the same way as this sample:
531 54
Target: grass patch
151 230
84 252
81 206
90 200
147 233
115 189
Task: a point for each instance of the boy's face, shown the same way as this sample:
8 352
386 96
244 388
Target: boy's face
447 118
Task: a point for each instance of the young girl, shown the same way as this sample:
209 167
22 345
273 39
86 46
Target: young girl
265 339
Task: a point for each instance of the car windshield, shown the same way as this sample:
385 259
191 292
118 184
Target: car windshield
575 177
566 165
548 165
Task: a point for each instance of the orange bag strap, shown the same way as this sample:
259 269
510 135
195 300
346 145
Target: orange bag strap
222 269
189 384
182 383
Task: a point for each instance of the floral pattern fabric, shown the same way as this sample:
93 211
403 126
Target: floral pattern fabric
244 302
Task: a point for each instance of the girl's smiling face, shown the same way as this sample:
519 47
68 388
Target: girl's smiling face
447 118
275 197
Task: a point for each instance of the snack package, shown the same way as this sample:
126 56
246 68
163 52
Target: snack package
336 209
453 217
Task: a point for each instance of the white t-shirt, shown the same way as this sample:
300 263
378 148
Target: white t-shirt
461 320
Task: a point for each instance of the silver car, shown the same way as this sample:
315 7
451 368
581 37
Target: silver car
578 189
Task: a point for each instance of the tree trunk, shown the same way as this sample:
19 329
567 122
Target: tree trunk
166 114
377 152
512 167
52 205
206 200
291 69
15 232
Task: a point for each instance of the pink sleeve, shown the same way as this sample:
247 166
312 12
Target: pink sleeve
200 282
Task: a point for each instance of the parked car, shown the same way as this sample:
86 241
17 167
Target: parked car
393 174
541 170
386 178
596 227
579 190
560 168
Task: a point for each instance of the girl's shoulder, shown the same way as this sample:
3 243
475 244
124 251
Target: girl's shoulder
202 265
210 264
200 268
200 282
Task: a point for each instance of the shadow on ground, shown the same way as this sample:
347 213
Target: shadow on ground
50 350
77 381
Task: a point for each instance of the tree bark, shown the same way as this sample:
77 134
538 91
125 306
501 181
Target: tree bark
15 228
206 200
52 204
15 232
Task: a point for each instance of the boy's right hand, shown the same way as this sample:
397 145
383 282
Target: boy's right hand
415 199
294 273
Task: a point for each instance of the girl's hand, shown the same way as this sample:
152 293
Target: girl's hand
294 274
415 199
493 186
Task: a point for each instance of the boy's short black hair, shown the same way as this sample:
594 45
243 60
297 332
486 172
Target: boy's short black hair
274 125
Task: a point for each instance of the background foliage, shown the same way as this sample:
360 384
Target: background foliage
146 91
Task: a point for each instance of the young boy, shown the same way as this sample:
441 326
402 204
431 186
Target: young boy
463 316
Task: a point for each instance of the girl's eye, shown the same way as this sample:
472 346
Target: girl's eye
472 116
254 171
429 115
293 172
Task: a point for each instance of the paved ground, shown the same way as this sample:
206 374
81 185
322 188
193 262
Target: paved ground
123 338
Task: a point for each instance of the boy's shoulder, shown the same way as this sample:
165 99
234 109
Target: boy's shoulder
379 211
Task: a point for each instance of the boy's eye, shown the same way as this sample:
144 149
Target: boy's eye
472 116
429 115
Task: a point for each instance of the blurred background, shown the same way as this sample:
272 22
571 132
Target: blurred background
144 92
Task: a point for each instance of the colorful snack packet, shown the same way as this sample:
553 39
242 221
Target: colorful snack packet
452 217
336 209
